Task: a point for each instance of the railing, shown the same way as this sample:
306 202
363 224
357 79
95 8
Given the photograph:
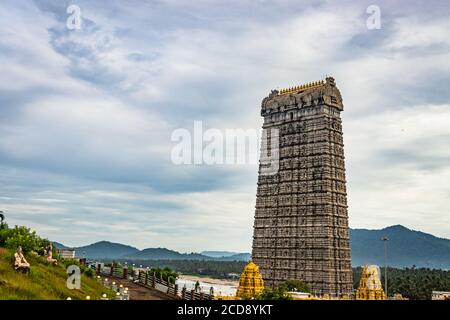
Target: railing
193 295
152 281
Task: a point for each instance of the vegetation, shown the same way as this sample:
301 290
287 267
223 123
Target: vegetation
209 268
281 292
23 236
45 281
413 283
273 294
88 272
295 286
164 273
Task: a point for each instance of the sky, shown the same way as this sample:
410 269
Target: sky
87 113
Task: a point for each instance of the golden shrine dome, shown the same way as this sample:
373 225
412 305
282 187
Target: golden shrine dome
251 283
370 287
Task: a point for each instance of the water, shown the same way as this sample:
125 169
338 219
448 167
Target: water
219 289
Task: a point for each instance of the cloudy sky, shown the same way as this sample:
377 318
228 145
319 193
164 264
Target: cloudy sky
87 114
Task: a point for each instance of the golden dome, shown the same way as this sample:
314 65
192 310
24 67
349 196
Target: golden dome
370 287
251 283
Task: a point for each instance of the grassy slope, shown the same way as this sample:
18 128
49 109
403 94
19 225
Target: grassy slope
44 282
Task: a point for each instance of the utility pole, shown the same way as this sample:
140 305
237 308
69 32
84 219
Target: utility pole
385 240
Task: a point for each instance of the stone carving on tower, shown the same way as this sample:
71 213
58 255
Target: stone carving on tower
301 221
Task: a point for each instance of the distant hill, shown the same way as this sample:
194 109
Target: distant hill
58 245
105 249
218 254
405 248
164 254
237 257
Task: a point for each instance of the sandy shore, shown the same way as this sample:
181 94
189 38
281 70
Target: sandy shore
210 280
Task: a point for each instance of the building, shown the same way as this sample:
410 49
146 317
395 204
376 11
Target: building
370 287
67 253
301 222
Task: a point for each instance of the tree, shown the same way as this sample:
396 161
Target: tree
295 286
24 237
273 294
164 273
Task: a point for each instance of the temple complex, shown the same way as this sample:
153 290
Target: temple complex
370 287
251 283
301 221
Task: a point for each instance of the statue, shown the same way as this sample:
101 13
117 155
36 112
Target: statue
197 286
20 263
48 252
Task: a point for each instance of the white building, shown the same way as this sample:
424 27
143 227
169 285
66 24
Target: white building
67 253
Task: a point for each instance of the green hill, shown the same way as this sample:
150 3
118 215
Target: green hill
405 248
105 249
44 282
165 254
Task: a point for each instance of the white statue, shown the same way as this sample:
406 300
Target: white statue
20 263
48 252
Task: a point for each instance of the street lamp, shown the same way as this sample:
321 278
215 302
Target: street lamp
385 240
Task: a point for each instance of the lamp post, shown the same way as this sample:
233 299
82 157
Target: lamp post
385 240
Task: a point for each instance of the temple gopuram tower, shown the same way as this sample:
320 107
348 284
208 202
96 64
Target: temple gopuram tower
301 221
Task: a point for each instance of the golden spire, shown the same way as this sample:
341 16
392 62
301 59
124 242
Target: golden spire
370 287
251 283
304 86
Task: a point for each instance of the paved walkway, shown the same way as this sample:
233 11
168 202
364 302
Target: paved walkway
139 292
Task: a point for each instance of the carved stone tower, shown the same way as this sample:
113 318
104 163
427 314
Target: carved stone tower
301 221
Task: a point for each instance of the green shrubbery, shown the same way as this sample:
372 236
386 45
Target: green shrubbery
84 269
11 238
273 294
45 280
281 292
165 273
294 286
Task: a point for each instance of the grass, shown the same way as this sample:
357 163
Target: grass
44 282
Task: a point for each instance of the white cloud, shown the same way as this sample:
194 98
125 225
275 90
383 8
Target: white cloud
419 33
398 169
89 114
